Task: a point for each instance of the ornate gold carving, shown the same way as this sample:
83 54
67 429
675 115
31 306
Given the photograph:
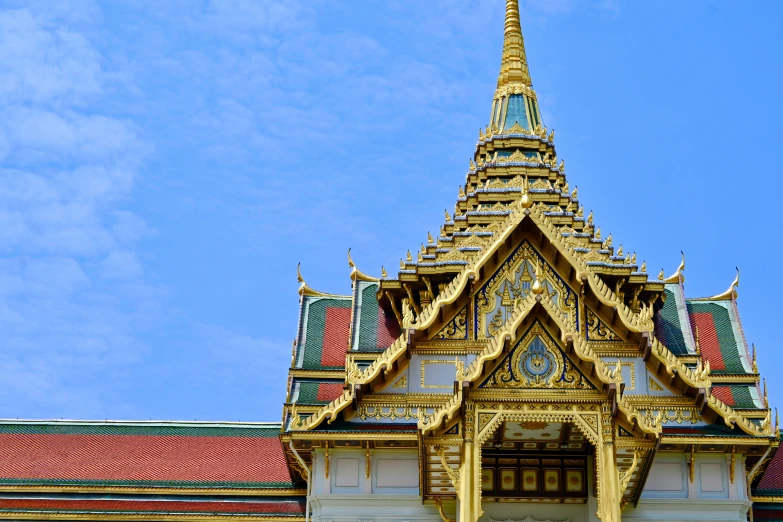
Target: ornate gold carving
402 382
654 385
597 330
456 328
525 369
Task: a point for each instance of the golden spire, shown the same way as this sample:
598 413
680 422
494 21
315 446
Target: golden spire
513 68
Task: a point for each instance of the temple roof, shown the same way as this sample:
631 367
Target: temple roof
160 455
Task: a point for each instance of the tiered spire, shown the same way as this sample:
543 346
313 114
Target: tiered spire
513 68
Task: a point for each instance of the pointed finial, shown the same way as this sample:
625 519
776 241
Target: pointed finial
620 251
575 193
448 217
551 138
538 287
526 201
678 276
402 264
513 67
590 218
633 258
350 261
299 277
662 275
580 212
430 241
755 363
408 256
644 267
384 274
598 233
731 293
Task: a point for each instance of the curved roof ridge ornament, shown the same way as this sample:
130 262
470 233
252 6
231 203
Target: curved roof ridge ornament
731 293
358 275
677 277
306 291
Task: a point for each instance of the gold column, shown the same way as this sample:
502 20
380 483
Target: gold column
609 492
470 483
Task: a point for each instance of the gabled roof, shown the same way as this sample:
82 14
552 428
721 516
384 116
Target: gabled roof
720 335
324 325
160 455
372 328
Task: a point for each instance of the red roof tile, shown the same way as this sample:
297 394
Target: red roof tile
772 480
216 461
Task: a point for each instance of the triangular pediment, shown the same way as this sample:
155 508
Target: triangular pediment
536 361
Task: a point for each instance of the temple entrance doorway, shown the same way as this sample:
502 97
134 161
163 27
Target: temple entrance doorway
539 468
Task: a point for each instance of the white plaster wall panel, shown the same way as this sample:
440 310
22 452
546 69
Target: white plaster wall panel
667 478
687 510
397 473
712 476
346 472
369 508
431 374
515 511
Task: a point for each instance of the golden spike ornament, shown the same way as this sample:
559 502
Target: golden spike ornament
351 264
408 256
755 364
662 275
644 267
384 274
526 201
575 193
448 217
299 278
402 264
538 287
430 241
590 218
513 66
619 251
551 138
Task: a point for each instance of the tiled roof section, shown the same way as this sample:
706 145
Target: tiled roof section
279 507
143 455
771 482
738 396
318 392
373 328
671 323
323 332
720 337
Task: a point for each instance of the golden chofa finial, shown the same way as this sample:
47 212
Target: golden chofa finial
644 267
538 286
448 217
575 193
299 278
408 256
590 218
662 275
731 293
430 241
461 191
384 273
678 276
513 67
356 274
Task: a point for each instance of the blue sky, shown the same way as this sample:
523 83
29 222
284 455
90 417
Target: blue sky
164 166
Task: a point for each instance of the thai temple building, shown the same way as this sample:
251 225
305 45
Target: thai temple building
521 366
